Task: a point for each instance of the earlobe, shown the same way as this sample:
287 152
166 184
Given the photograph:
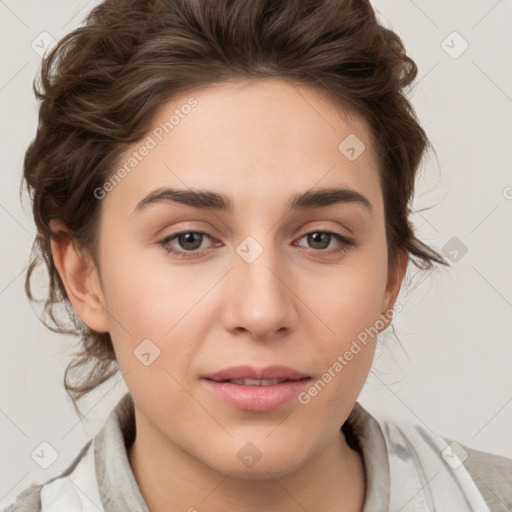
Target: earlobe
80 278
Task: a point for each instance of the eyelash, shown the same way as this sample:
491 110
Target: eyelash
347 243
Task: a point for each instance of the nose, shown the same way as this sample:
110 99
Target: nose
261 298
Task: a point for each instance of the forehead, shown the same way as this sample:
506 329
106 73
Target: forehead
265 139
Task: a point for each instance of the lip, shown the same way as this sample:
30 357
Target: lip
256 398
250 372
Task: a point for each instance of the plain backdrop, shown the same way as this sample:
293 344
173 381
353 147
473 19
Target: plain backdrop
455 327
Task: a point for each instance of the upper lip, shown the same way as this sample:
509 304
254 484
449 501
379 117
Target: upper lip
250 372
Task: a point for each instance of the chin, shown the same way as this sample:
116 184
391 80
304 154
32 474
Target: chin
261 471
250 463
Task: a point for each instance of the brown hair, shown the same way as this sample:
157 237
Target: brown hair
101 86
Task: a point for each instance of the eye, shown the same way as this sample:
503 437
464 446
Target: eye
189 241
320 241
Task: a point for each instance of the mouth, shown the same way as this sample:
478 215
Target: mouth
257 390
258 382
252 376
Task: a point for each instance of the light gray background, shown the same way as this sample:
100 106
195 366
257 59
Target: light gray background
455 325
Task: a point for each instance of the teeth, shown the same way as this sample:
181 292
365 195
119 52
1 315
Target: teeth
254 382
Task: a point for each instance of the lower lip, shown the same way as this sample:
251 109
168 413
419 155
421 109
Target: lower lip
257 398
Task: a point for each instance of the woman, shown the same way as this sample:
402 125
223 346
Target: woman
221 193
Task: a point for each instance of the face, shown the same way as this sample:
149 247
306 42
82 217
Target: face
190 289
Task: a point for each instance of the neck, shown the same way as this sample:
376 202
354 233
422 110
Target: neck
172 480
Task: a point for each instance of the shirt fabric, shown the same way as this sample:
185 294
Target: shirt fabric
408 469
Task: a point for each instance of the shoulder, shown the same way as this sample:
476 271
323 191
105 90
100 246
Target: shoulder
118 429
491 473
415 452
28 500
31 499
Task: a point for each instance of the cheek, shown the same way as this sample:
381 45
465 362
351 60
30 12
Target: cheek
146 296
352 298
152 301
353 320
345 354
350 312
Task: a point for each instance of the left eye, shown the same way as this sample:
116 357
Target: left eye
321 239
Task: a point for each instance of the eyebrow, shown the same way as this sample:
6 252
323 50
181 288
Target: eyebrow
205 199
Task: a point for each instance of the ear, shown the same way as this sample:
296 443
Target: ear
395 277
80 278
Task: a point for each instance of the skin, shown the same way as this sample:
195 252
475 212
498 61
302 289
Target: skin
258 142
